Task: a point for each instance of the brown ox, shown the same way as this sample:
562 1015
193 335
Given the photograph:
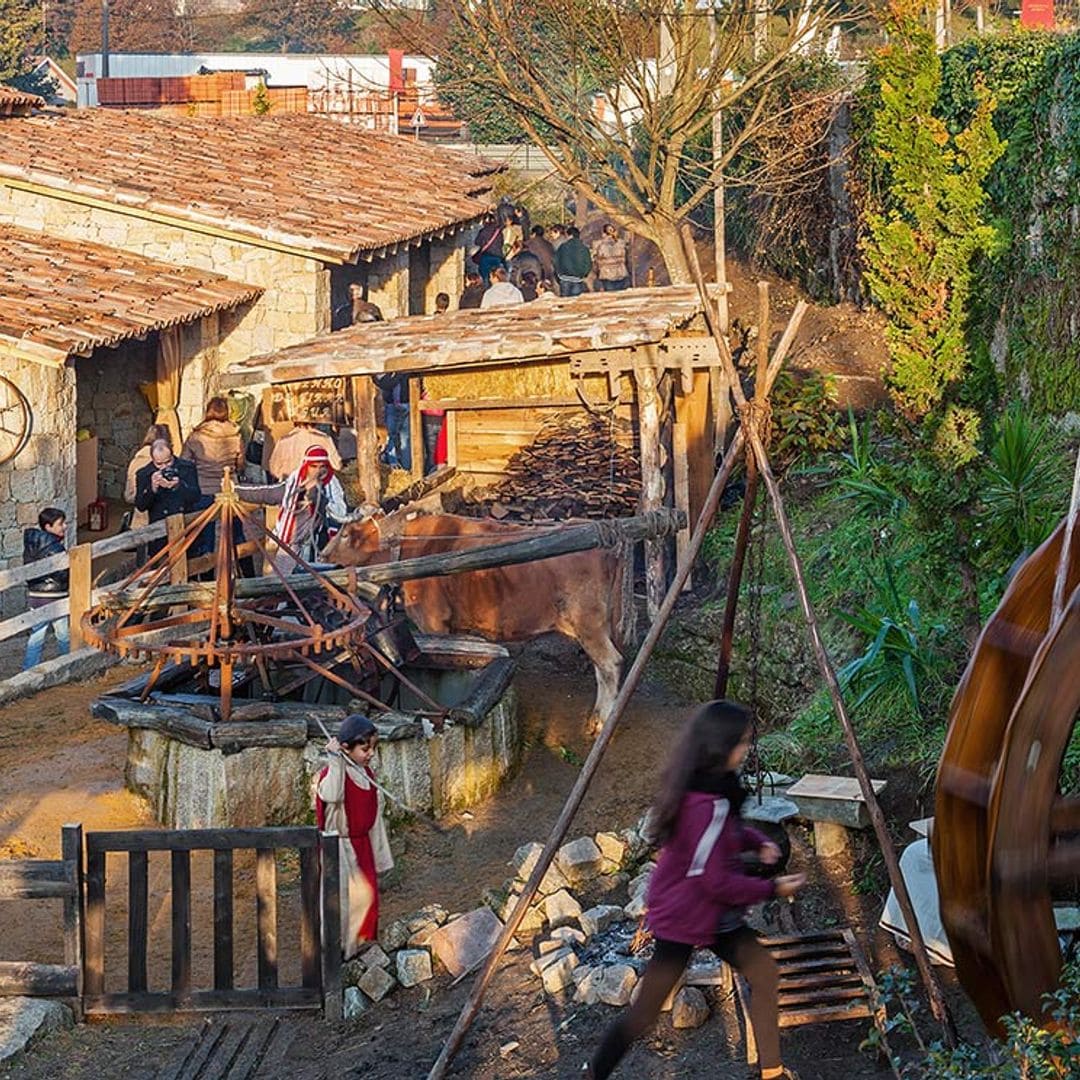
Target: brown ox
579 595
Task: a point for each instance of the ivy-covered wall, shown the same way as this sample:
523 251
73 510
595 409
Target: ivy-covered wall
1026 319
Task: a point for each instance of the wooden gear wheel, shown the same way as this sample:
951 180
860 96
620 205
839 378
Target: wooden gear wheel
1006 839
208 626
16 420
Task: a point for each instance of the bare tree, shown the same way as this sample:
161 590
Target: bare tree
621 94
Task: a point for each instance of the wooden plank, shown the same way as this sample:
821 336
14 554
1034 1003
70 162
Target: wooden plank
255 1049
557 401
416 429
234 735
223 920
177 723
80 589
20 979
174 531
199 1052
824 1015
19 624
681 474
71 848
809 982
831 996
798 939
266 911
835 965
368 474
138 921
200 839
181 924
694 412
652 482
34 879
292 997
810 950
331 909
309 917
94 978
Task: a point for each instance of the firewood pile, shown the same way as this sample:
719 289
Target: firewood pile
578 466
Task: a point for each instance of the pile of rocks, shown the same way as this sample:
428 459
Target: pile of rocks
410 949
584 950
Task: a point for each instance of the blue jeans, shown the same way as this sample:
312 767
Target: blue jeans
397 436
37 636
571 288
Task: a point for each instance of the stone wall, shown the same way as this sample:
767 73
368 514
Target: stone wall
191 788
111 405
294 306
44 473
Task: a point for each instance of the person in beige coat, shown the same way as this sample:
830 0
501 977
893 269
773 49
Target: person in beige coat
288 453
214 446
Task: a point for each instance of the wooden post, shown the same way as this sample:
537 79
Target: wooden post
180 902
266 917
764 335
451 438
681 470
138 921
652 479
592 763
367 438
71 851
331 927
95 924
416 429
174 530
309 916
80 588
223 920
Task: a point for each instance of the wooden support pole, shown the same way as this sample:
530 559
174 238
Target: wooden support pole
734 584
367 438
652 480
680 468
416 429
80 588
331 926
174 530
71 851
1058 604
592 763
763 338
881 830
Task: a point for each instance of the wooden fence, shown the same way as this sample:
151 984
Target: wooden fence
320 921
79 562
43 879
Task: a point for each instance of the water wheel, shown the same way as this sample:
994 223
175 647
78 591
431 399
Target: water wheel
16 420
1006 839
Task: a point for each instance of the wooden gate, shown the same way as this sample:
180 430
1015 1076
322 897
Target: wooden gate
320 941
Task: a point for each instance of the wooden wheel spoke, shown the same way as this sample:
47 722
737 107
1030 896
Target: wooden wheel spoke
1063 863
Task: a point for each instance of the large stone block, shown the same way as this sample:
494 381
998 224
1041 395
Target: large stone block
561 909
579 860
597 919
376 983
413 966
24 1021
463 944
690 1009
559 975
617 984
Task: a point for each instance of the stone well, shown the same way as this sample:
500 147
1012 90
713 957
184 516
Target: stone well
194 783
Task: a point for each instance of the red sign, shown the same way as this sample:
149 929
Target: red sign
1037 14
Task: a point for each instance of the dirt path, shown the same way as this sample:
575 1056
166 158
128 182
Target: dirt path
51 741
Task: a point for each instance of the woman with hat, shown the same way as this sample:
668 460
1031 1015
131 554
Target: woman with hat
347 802
312 502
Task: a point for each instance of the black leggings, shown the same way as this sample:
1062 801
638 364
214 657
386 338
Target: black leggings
739 948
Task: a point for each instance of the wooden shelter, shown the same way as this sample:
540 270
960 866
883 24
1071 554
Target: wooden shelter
641 356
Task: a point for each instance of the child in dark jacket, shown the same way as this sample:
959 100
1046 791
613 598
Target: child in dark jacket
40 543
699 891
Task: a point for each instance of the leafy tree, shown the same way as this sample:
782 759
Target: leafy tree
532 68
20 39
929 224
297 25
134 26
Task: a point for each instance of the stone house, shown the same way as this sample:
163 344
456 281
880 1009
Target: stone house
292 208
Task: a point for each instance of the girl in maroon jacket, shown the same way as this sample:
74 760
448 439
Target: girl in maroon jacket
699 890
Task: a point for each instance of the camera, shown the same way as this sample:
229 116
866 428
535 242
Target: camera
169 473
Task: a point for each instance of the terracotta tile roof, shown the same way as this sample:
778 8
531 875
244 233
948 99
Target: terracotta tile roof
60 298
15 102
543 328
292 180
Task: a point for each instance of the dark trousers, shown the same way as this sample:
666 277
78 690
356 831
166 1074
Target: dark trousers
739 948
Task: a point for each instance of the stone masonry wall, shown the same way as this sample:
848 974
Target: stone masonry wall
44 473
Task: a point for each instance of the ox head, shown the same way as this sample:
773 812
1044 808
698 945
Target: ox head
368 536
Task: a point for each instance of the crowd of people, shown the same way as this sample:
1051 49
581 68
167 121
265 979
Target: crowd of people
514 261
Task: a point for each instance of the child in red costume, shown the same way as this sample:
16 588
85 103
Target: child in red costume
347 802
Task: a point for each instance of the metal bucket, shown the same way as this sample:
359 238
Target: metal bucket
396 642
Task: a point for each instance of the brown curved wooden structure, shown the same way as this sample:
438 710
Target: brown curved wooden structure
1006 841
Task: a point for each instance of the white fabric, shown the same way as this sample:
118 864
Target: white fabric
917 868
502 294
709 837
357 893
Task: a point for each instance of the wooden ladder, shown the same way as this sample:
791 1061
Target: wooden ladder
823 977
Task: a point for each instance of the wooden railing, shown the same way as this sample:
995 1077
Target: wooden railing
44 879
79 562
320 921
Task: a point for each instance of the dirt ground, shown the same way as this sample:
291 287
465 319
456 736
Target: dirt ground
57 764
